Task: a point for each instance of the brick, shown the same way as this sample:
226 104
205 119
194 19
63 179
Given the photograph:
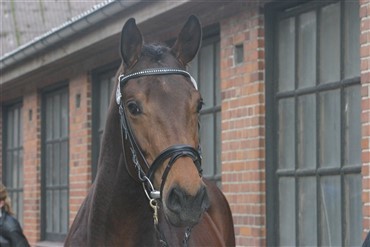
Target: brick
365 106
243 125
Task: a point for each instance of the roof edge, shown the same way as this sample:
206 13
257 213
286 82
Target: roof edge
85 20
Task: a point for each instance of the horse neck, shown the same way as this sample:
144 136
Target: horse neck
116 197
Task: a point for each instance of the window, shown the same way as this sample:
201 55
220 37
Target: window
205 68
104 82
13 157
314 177
55 171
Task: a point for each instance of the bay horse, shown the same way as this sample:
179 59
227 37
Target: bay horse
149 189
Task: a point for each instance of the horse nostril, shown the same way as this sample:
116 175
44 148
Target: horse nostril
178 200
175 199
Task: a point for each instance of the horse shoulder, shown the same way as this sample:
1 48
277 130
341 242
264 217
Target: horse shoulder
220 213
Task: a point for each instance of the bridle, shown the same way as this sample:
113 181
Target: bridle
172 153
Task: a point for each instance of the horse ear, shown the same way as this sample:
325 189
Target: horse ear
131 43
188 41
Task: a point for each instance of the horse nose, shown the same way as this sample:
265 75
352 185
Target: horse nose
186 205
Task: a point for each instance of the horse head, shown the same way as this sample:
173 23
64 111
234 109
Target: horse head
160 104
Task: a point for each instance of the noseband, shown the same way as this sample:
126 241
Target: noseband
172 153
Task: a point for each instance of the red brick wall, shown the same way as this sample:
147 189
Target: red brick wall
79 142
32 165
243 127
365 116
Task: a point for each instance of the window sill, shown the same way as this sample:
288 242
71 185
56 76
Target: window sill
49 244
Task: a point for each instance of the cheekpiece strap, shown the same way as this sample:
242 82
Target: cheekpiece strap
160 71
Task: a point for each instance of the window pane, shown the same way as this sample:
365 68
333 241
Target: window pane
286 54
10 124
307 212
307 131
64 164
56 210
49 206
286 133
286 212
49 113
49 160
56 164
330 43
9 168
206 80
64 115
330 129
307 50
353 208
15 128
352 112
15 170
331 234
217 74
218 143
206 135
64 212
56 116
351 39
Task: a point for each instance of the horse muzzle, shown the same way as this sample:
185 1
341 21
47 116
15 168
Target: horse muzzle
185 197
184 209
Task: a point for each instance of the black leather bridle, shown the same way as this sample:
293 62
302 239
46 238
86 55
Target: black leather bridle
172 153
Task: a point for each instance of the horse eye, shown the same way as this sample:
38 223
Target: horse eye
133 108
200 105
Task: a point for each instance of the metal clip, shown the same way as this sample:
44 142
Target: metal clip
154 205
155 194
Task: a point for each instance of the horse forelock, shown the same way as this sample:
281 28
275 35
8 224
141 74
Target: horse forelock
156 51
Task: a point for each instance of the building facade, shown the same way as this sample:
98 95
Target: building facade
285 129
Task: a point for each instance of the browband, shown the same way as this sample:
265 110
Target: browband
159 71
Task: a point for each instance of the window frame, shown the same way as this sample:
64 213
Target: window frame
274 12
18 191
53 90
